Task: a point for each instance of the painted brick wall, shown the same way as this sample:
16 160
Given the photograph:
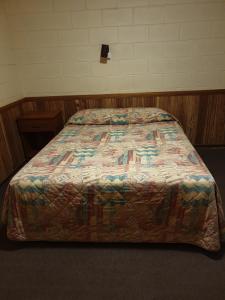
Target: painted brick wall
9 85
156 45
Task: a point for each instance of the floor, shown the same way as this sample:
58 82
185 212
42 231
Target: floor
90 271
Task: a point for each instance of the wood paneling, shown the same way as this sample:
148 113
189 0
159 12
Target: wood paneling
201 113
211 124
11 151
9 118
6 165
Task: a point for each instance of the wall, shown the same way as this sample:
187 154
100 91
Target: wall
9 85
156 45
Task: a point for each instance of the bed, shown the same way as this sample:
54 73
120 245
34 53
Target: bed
116 175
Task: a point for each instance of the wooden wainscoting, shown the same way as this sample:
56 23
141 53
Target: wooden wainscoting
11 150
201 113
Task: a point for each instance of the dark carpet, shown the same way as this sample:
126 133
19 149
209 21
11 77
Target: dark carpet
99 271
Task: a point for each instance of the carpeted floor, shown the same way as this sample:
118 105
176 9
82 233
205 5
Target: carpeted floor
90 271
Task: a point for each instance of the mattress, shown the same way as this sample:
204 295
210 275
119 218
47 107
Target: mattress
120 179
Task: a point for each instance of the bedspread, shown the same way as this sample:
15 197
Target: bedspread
114 183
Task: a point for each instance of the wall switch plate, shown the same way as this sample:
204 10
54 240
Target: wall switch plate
104 53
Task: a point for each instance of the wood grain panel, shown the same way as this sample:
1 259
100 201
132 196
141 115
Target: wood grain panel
201 113
6 165
185 108
213 131
45 105
9 118
211 120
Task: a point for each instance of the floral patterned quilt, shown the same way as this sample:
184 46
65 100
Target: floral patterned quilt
133 182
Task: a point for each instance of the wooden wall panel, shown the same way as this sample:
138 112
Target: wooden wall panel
9 118
211 120
201 113
185 108
6 165
11 151
213 131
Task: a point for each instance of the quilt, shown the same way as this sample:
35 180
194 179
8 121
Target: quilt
120 175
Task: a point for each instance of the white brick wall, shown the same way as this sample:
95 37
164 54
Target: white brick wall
196 30
68 5
122 51
9 83
218 29
194 12
133 34
41 21
117 17
76 69
95 4
110 69
132 67
103 35
28 6
132 3
164 32
52 70
90 18
156 45
148 15
73 37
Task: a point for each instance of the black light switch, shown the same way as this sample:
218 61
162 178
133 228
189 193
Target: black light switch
104 51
